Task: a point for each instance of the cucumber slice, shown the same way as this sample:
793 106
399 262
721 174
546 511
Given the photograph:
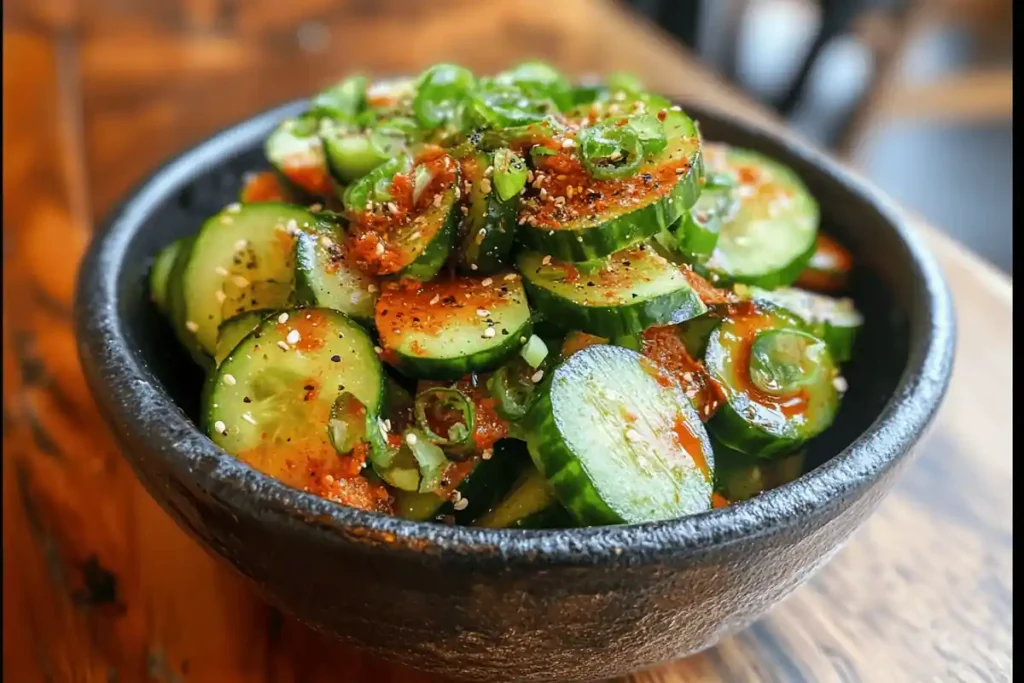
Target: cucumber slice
270 402
779 382
160 273
600 217
489 228
241 260
296 153
636 288
834 320
451 328
410 244
829 267
699 229
617 440
326 277
265 186
234 330
528 505
480 483
769 239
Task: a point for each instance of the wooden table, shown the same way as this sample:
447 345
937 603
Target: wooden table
100 585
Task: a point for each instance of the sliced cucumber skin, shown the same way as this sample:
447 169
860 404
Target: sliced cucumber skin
482 488
740 477
839 337
236 364
196 271
609 321
420 349
566 472
619 232
316 287
793 233
176 307
233 330
423 367
730 424
497 218
428 264
160 273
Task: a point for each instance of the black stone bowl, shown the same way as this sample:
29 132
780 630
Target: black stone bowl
513 605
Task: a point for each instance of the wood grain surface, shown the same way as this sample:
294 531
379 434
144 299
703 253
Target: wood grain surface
100 585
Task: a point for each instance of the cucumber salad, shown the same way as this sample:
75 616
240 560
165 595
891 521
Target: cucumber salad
510 301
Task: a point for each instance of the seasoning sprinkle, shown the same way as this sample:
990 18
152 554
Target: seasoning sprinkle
249 418
191 326
293 337
233 207
283 318
537 376
283 346
220 296
230 380
462 504
487 282
489 332
411 439
221 270
632 435
482 312
437 297
240 281
241 244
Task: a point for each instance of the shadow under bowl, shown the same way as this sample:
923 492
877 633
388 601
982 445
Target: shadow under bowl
499 604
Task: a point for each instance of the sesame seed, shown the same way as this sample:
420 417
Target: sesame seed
437 200
377 349
568 143
543 193
329 478
632 435
283 318
488 172
283 346
840 384
411 439
387 425
489 332
510 277
249 418
292 227
316 207
221 270
487 455
392 207
241 244
415 236
472 266
293 337
240 281
382 428
487 282
220 427
226 220
234 207
437 297
456 496
371 288
326 241
379 249
482 312
546 260
462 504
230 380
191 326
220 296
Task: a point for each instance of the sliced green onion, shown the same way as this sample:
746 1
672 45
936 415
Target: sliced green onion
784 361
445 399
440 92
343 101
651 133
513 389
538 80
506 106
375 185
347 425
624 82
403 472
534 351
509 173
352 155
610 151
382 453
430 458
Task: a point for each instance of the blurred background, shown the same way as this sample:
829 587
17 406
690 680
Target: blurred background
915 93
